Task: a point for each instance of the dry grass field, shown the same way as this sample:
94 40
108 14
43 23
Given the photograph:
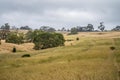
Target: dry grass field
89 58
7 47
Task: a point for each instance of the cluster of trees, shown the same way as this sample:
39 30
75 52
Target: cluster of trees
77 29
5 29
88 28
25 28
17 38
63 29
47 29
117 28
43 38
6 26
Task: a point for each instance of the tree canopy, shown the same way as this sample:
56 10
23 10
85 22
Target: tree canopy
90 27
47 29
25 28
15 38
117 28
101 27
5 29
43 40
74 30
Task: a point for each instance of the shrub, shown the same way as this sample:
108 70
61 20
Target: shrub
0 41
74 30
14 38
112 47
14 49
29 36
26 55
43 40
77 38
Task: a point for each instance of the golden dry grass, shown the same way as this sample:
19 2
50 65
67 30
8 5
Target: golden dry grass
90 58
7 47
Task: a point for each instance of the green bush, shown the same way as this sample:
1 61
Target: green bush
26 55
73 31
14 49
14 38
77 38
43 40
112 47
29 36
0 41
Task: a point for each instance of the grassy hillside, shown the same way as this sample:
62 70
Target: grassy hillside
90 58
7 47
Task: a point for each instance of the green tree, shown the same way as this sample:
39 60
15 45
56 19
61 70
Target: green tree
43 40
5 29
15 38
74 30
59 39
29 36
90 27
47 29
6 26
25 28
101 27
117 28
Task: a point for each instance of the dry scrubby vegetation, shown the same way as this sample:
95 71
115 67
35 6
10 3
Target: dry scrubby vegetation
89 58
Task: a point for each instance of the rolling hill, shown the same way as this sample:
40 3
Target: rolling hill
90 58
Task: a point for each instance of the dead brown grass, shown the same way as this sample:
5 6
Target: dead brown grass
7 47
90 58
27 47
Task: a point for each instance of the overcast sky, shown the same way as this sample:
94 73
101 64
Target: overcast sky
60 13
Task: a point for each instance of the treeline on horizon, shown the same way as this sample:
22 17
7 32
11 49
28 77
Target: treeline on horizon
87 28
45 37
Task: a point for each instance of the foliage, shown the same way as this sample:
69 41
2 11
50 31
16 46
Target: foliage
29 36
14 49
117 28
6 26
5 29
15 38
0 41
43 40
74 31
90 27
77 29
26 55
77 38
63 29
101 27
112 47
47 29
25 28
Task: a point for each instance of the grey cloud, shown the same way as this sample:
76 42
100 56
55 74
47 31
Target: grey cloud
59 13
